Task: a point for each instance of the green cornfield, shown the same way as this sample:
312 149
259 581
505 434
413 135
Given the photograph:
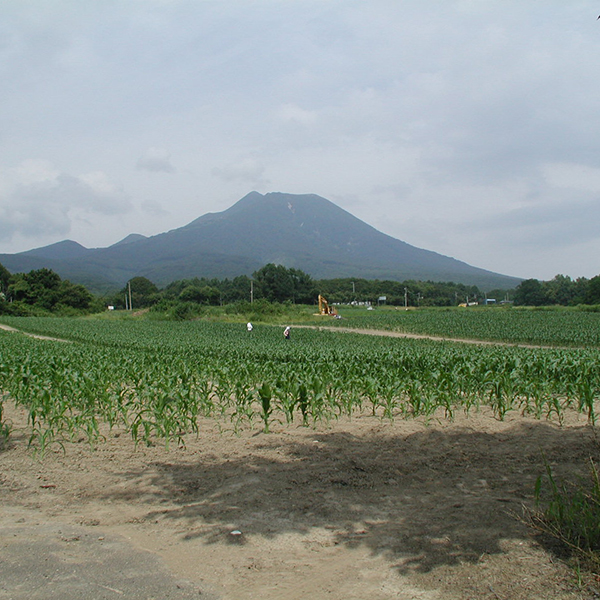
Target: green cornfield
553 327
155 379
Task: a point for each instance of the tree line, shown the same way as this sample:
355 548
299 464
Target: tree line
276 283
562 290
43 290
279 284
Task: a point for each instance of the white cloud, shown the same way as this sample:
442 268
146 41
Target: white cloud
155 160
295 114
578 177
38 199
248 170
154 208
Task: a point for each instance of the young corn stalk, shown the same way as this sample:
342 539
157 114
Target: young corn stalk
287 399
266 394
587 394
4 426
244 395
303 403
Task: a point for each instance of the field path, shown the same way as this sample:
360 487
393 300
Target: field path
419 336
33 335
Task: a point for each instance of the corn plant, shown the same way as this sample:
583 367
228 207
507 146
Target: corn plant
266 394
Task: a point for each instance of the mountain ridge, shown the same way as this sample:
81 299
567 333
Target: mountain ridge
303 231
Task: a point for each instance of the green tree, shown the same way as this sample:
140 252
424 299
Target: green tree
202 295
560 290
530 293
592 295
5 277
273 283
45 289
239 289
36 288
143 293
580 285
74 295
19 288
277 283
191 293
304 290
43 279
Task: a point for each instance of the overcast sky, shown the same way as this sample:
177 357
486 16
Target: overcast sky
467 127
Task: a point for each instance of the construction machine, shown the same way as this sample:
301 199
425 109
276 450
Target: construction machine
324 307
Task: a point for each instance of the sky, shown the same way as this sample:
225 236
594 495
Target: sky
466 127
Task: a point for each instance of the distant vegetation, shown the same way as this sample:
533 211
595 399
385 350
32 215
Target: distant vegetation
561 290
278 284
43 291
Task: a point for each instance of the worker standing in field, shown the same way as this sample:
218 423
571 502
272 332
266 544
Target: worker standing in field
249 326
286 332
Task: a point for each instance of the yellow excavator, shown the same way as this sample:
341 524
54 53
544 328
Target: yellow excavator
324 307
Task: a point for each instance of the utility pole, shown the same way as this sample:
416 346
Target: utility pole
405 298
251 291
129 286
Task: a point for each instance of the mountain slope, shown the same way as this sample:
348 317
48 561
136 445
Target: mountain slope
302 231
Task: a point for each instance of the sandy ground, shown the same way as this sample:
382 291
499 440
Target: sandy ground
358 509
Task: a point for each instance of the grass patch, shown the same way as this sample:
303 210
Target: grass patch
567 513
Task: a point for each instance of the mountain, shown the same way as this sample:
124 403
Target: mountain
65 250
132 237
307 232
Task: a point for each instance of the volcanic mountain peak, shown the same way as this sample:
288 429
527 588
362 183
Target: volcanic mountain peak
304 231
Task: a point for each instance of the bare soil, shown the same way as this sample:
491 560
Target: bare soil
355 509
